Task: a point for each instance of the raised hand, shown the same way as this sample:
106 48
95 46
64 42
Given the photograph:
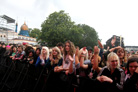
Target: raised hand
113 41
77 51
84 50
100 44
96 50
70 58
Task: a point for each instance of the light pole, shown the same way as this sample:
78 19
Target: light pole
120 40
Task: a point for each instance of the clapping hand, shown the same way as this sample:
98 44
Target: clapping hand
77 51
70 58
104 79
84 52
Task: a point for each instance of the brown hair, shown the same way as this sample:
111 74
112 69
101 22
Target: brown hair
72 48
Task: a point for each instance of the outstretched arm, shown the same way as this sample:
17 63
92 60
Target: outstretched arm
113 41
83 54
95 60
76 56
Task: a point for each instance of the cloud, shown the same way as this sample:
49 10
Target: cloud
107 17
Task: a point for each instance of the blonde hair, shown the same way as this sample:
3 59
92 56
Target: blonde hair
110 56
58 55
47 51
80 51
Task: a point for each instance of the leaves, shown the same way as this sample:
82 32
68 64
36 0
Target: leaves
58 27
35 33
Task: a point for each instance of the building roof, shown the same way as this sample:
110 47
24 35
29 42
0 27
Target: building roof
9 20
24 27
24 30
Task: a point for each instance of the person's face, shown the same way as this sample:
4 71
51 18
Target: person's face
113 62
54 52
44 51
14 49
61 48
30 54
20 49
89 52
3 46
67 47
120 53
37 51
132 67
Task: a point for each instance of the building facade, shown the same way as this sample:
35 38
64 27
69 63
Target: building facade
10 35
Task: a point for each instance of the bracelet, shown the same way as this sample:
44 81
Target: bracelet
82 56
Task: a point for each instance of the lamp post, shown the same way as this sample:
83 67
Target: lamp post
120 40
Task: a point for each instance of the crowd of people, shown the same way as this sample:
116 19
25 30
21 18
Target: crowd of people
69 68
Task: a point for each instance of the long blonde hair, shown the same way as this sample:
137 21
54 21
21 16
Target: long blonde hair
47 52
80 51
59 56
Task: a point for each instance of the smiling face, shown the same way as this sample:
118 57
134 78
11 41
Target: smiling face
113 61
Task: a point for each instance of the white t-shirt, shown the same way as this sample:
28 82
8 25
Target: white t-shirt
66 62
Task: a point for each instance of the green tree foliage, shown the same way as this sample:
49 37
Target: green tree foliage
58 27
35 33
75 35
90 36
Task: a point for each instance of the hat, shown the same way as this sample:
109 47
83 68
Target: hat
89 48
8 46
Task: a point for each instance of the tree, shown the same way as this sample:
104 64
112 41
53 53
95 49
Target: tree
90 36
75 35
58 27
35 33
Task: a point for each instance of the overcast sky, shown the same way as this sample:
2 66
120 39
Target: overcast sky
107 17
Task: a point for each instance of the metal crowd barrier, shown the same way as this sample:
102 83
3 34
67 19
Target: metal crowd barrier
19 76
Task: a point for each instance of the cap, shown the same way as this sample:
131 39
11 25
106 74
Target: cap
89 48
